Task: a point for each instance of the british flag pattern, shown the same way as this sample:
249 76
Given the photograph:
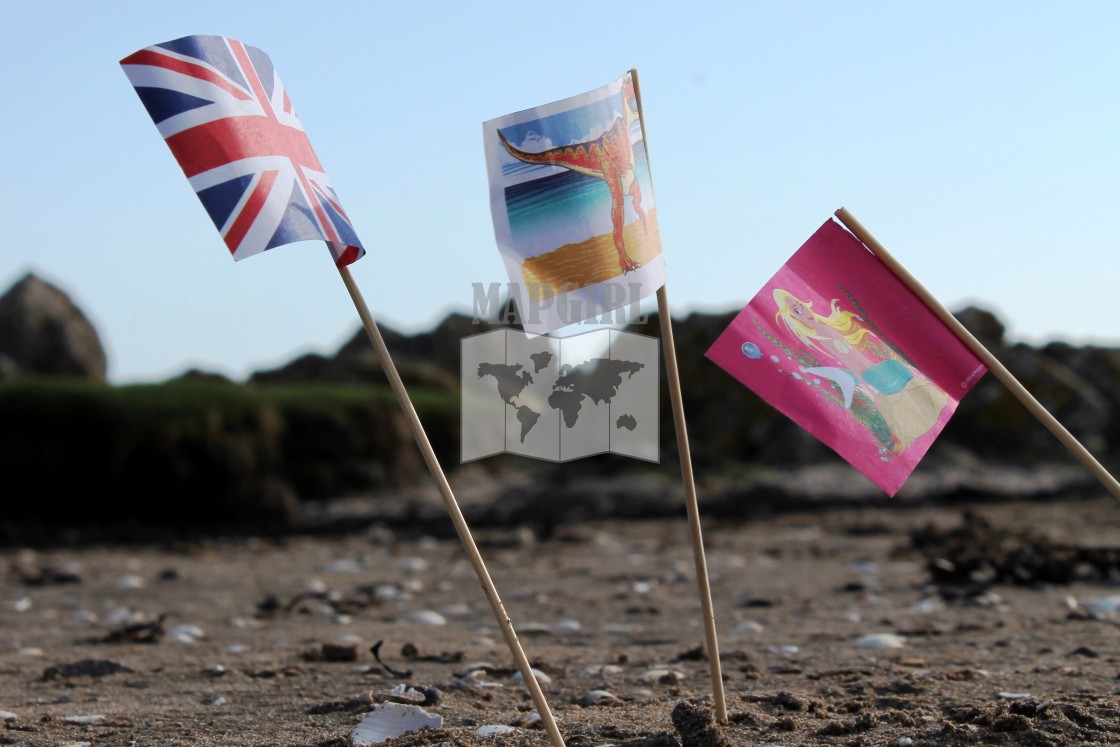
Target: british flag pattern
227 118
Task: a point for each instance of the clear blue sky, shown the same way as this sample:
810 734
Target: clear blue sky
977 141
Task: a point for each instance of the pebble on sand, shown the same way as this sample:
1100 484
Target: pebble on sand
661 675
540 676
881 641
424 617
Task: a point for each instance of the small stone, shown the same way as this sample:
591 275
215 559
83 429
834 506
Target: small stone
344 565
535 628
567 625
185 633
540 676
7 716
424 617
746 626
339 652
881 641
490 730
414 564
662 676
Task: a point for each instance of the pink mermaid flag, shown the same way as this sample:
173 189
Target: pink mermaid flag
840 345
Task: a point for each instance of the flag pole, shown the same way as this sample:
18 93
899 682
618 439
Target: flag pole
670 353
998 369
457 518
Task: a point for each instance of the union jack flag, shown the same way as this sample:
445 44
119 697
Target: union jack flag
221 108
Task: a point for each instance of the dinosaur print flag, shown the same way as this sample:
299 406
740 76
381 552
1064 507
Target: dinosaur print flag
227 118
841 346
573 209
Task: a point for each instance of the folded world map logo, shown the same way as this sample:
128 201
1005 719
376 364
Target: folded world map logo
560 398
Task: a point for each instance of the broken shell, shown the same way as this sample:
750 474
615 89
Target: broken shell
185 633
390 720
414 695
91 719
474 677
493 729
598 697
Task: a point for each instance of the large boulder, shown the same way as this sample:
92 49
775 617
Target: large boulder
42 333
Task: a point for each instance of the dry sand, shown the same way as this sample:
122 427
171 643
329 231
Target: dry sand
246 641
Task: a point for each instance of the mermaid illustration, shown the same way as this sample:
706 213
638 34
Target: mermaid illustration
909 403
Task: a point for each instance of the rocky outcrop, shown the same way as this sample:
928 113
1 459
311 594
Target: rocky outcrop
42 333
204 449
729 426
197 453
427 360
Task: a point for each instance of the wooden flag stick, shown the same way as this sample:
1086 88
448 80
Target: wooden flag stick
998 369
461 527
692 506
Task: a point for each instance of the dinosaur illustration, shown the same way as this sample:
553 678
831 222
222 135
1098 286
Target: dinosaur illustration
609 158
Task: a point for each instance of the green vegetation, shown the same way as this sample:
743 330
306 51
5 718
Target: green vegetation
204 450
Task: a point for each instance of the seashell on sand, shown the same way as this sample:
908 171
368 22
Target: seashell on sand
881 641
390 720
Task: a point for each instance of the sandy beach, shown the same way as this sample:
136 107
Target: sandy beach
267 641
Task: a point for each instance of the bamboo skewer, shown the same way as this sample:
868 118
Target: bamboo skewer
998 369
691 504
452 505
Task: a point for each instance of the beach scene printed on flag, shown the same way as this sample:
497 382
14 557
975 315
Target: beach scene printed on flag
572 204
840 345
222 110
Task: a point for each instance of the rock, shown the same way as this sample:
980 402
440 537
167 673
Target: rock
42 333
983 325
